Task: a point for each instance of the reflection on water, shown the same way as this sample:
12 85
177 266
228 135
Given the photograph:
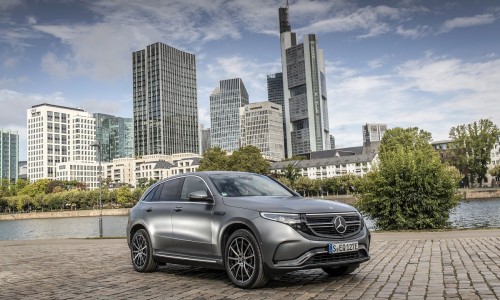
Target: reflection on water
468 214
474 213
83 227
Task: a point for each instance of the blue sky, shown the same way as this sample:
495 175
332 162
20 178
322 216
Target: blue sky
429 64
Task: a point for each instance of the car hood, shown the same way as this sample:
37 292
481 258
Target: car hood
288 204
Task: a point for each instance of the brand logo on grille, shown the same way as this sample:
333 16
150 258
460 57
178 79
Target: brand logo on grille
339 224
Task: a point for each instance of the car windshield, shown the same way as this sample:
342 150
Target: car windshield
242 185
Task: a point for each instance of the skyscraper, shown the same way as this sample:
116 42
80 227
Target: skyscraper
262 127
205 139
115 136
165 101
9 155
225 103
58 134
304 90
275 95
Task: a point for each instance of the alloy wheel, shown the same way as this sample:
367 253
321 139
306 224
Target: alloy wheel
139 250
241 259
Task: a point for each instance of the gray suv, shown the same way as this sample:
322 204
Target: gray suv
248 224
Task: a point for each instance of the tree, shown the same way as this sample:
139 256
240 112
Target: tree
124 195
495 172
471 148
35 188
248 159
291 173
214 159
410 188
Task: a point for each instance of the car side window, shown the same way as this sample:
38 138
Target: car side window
169 190
193 184
149 196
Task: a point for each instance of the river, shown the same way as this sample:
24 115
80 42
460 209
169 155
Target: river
482 213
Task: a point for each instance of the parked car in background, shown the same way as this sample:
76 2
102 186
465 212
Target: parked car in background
248 224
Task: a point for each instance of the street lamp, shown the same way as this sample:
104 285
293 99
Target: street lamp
98 146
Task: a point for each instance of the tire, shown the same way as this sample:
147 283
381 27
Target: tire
340 271
141 252
243 260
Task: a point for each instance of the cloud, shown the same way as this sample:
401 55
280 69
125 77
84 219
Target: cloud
463 22
10 62
413 33
8 4
432 93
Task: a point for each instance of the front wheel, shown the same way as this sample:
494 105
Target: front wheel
243 260
340 271
142 252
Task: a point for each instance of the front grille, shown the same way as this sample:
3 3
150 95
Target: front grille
326 258
322 225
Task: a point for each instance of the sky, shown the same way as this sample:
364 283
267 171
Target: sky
408 63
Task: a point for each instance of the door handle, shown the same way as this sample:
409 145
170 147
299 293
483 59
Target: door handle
178 208
149 209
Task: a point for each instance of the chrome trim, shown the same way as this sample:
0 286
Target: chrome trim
185 258
300 260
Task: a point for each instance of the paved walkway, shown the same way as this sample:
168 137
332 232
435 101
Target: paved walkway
451 265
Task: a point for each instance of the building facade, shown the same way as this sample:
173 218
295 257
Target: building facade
304 91
275 95
225 103
164 101
129 170
373 133
86 172
58 134
9 156
205 140
262 127
115 136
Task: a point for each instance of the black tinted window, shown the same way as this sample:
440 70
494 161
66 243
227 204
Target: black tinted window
169 190
150 195
193 184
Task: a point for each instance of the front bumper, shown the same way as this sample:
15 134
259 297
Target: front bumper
284 249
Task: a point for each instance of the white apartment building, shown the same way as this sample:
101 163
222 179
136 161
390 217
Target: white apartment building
320 168
82 171
262 127
58 134
155 166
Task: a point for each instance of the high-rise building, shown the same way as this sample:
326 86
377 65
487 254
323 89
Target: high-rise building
115 136
58 134
332 142
304 90
225 103
262 127
165 101
373 133
275 95
205 139
9 155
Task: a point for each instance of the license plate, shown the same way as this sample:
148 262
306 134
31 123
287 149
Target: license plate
344 247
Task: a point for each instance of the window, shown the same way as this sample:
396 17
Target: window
169 190
149 196
193 184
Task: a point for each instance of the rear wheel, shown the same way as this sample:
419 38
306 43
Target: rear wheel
142 252
340 271
243 260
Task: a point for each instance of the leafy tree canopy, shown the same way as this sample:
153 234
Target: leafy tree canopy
410 188
214 159
471 148
249 159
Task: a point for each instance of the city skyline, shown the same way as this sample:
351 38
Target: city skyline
404 63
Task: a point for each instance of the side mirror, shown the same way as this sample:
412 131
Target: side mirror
199 196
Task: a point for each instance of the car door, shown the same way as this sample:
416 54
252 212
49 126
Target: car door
192 221
157 213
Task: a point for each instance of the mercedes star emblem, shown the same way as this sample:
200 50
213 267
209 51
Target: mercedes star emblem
339 224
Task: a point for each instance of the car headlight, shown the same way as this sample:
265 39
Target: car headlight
289 219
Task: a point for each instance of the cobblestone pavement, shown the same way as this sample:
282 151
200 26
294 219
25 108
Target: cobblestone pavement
452 265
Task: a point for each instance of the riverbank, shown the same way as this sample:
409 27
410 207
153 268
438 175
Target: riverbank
66 214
